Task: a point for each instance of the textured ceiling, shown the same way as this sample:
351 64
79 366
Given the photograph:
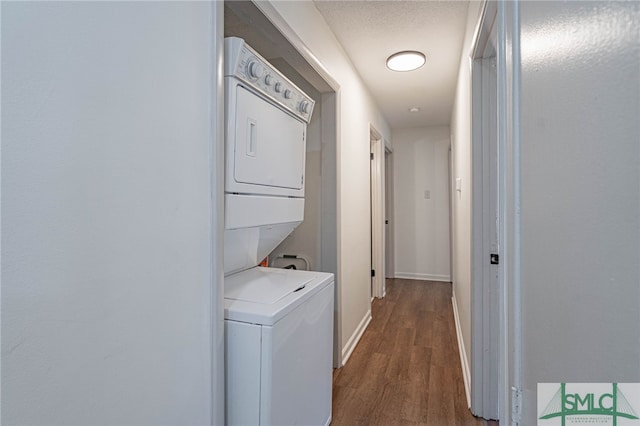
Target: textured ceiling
370 31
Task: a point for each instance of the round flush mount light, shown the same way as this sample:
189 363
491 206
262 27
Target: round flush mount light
414 109
408 60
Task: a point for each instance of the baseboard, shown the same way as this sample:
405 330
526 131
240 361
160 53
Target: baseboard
355 338
466 372
425 277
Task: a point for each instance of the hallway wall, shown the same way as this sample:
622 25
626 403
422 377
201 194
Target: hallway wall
580 192
356 112
108 195
461 168
421 158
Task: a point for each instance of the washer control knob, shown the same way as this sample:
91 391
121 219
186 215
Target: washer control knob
255 69
287 94
268 79
304 107
278 87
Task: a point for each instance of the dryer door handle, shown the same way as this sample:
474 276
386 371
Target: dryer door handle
252 138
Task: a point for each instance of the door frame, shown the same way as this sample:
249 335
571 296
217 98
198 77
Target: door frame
508 344
485 238
377 214
216 233
389 215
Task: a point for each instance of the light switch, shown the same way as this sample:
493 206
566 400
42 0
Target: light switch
427 194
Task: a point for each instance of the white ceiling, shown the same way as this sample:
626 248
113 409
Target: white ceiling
370 31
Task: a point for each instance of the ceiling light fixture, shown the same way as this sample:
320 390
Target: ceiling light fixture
406 61
414 109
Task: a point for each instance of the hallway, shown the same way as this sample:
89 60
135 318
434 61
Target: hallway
406 368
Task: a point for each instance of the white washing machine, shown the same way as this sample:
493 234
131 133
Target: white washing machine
279 334
278 322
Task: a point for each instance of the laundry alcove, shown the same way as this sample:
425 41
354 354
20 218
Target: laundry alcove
314 242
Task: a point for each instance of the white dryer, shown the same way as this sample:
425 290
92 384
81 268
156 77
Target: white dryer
265 148
278 322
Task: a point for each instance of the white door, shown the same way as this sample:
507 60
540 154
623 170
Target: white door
269 146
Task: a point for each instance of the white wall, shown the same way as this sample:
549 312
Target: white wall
356 111
461 168
107 258
580 192
421 158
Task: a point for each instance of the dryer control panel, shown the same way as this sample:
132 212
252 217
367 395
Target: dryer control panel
243 63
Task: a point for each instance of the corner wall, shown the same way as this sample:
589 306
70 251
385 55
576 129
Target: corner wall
421 205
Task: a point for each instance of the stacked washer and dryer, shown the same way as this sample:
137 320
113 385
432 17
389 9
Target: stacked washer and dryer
278 322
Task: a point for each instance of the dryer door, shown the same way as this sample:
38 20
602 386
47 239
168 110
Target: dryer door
269 146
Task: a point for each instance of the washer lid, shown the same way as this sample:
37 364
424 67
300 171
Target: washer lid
263 285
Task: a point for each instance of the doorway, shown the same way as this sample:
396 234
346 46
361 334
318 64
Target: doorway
377 193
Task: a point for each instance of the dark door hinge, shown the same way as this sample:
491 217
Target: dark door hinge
371 155
373 272
495 259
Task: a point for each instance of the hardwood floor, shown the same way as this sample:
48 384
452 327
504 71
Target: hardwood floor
406 368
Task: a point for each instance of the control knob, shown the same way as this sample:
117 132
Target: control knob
268 79
304 107
255 69
278 87
287 94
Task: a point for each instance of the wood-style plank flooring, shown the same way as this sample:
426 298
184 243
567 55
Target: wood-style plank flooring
406 368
